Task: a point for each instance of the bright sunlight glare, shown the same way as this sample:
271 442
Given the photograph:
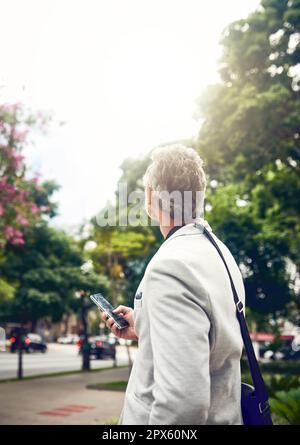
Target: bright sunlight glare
123 76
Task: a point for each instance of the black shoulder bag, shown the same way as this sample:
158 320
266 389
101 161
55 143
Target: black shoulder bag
254 399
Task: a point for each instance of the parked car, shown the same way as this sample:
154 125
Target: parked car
286 354
31 343
100 347
70 339
289 350
265 350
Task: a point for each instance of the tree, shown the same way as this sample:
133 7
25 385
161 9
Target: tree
46 273
23 201
121 254
40 267
249 140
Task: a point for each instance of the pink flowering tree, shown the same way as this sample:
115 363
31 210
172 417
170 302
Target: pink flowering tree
23 200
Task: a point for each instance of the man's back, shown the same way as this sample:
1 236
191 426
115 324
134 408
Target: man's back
187 369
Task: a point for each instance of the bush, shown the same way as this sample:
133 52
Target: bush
286 405
276 383
288 367
283 383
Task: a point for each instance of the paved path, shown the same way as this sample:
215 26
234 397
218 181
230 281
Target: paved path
61 400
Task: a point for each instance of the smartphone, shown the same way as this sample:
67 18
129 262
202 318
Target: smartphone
105 306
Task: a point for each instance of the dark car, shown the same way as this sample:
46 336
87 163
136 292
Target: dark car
289 350
287 353
100 347
31 343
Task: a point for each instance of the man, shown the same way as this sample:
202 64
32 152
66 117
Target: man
187 367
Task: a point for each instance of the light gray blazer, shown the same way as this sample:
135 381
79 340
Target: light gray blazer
187 367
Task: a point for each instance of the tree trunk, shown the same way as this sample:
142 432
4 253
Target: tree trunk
33 325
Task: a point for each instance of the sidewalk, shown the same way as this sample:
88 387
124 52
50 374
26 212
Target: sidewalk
62 400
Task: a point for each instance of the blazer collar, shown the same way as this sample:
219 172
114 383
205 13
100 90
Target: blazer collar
189 229
173 230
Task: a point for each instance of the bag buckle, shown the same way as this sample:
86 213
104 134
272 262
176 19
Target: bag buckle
263 407
239 306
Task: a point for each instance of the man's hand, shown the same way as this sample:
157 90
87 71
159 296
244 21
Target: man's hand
126 333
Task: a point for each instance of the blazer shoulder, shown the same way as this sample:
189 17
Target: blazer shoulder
166 270
170 256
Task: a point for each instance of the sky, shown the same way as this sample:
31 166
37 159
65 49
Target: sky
122 75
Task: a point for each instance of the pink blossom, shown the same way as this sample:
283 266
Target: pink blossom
9 232
9 108
22 195
1 210
18 241
22 220
20 136
16 155
5 186
18 233
34 208
3 181
15 159
14 236
35 179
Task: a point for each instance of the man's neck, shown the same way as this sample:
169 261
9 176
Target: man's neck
166 229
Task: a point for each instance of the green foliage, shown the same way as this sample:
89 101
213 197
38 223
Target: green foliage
277 382
23 201
110 421
94 324
121 254
6 291
250 142
45 273
249 139
119 385
283 384
40 267
286 368
286 405
259 242
278 375
133 171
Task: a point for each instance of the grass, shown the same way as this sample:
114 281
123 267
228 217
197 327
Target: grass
111 421
109 386
59 374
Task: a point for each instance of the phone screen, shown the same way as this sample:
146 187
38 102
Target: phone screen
105 306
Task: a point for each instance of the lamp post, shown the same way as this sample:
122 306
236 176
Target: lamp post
85 346
20 331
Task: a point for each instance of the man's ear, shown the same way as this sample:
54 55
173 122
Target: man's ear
149 196
149 202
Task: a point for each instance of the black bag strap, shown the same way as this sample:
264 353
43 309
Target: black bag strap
258 381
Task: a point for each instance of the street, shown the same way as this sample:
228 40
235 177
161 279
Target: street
58 358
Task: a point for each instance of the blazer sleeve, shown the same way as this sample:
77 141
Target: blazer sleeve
179 333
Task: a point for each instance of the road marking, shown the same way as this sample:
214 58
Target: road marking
53 413
66 410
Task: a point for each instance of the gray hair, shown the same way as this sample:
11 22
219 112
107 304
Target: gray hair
177 179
